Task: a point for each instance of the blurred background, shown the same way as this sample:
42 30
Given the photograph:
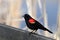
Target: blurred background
47 12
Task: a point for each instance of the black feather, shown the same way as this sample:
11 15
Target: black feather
36 25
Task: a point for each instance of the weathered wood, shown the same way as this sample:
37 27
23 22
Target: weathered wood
11 33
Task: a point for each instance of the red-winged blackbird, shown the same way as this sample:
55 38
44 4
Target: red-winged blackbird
34 24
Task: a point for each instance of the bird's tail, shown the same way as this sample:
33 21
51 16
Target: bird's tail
49 31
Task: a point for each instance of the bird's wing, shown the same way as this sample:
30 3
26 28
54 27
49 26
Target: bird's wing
40 26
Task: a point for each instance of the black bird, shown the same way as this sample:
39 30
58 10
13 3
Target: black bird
34 24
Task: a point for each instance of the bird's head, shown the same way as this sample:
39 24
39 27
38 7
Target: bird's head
29 18
26 16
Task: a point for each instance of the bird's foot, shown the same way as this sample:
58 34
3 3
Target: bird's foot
33 32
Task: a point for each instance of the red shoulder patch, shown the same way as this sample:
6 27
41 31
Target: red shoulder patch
32 21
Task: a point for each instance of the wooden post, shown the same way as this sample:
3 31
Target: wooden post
14 13
3 11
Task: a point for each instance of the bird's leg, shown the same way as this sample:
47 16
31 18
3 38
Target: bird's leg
32 31
35 30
